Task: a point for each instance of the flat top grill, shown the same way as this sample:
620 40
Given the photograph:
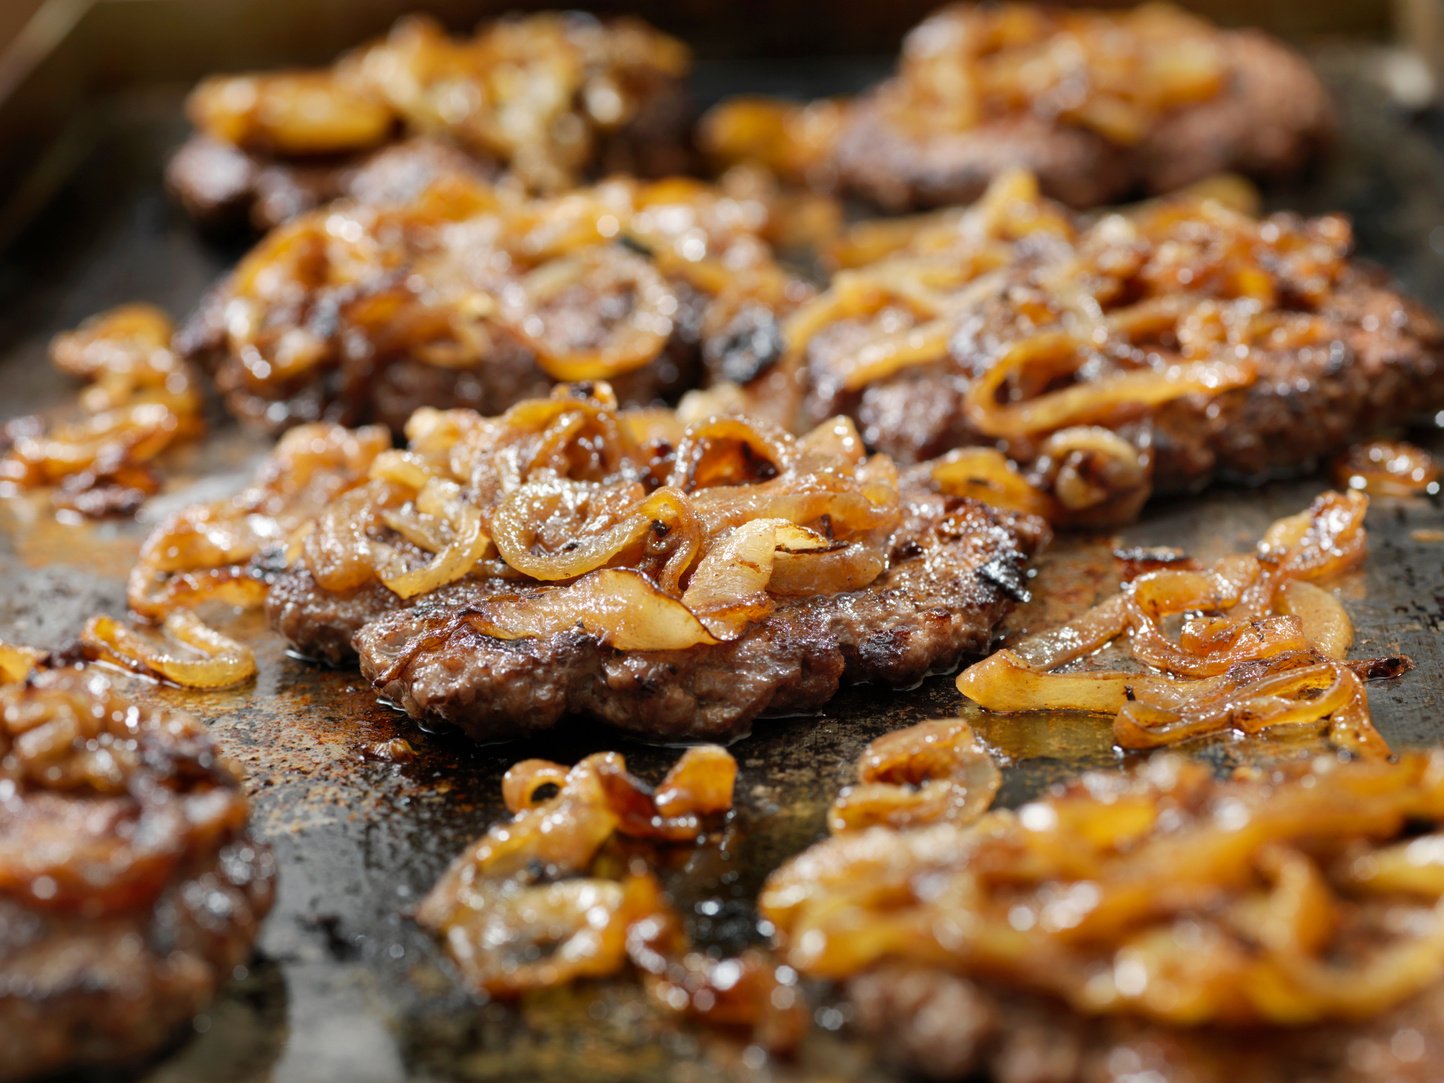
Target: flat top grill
344 985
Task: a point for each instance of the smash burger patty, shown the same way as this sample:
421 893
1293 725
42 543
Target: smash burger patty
1264 114
602 96
130 885
1217 343
466 295
902 583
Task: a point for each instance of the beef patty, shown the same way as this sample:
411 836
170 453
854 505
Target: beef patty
1329 350
462 297
956 567
130 885
604 96
903 580
1268 116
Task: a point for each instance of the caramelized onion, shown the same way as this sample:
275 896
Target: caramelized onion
1277 900
529 883
141 399
1388 468
630 526
1260 648
936 771
216 551
1044 358
187 652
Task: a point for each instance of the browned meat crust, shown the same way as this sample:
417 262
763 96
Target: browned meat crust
130 886
957 567
1272 118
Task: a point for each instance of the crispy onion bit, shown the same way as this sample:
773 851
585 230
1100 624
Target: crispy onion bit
523 909
102 799
185 652
1307 895
141 399
217 551
934 772
1258 648
628 525
1388 468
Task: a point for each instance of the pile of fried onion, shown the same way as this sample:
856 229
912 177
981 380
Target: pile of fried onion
564 890
650 534
141 399
1307 894
1249 644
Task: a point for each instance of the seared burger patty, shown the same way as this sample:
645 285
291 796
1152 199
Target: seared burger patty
467 297
601 97
130 885
1270 117
675 580
956 569
1216 344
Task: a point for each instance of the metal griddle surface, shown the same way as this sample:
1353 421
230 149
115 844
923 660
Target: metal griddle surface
343 985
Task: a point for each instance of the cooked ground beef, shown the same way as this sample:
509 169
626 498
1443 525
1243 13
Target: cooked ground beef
956 568
1271 116
226 188
389 309
1362 357
946 1027
599 97
130 886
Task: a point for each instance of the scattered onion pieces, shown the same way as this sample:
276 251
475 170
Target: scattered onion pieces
186 652
527 907
141 399
1311 894
1388 468
935 772
1260 648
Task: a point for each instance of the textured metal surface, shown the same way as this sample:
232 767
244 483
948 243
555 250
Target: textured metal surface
344 986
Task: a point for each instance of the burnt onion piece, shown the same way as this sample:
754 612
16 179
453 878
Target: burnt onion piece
141 399
130 886
1305 894
532 904
552 97
472 295
1111 356
1261 649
